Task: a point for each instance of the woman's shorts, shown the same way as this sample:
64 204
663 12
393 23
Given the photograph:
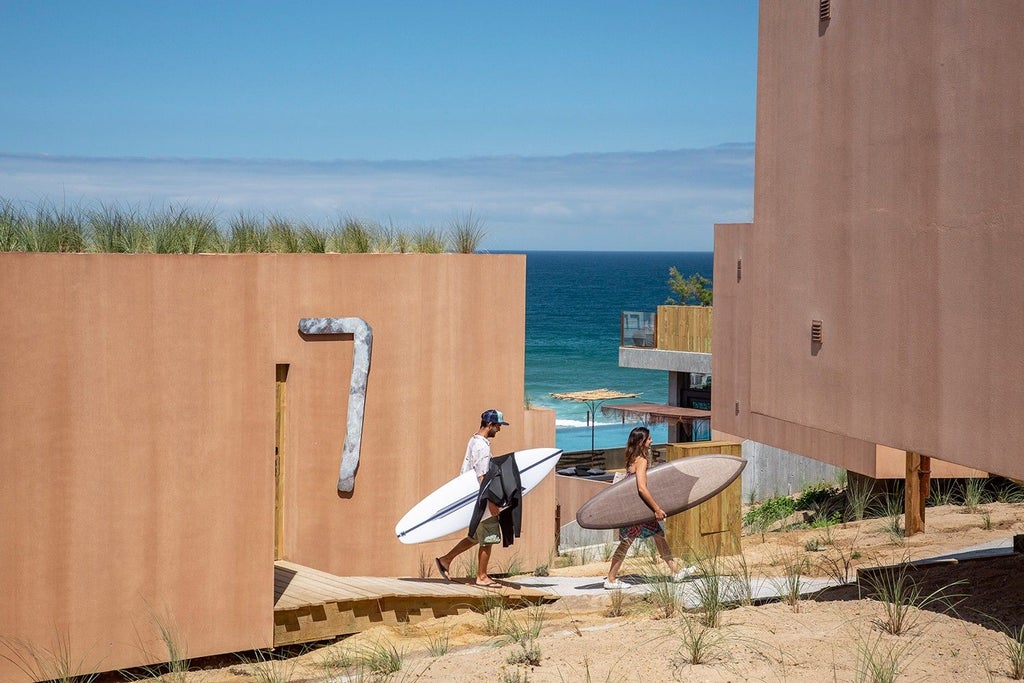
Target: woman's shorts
641 531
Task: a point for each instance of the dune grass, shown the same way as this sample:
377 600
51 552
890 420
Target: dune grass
180 229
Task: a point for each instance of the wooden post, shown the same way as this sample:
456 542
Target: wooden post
918 483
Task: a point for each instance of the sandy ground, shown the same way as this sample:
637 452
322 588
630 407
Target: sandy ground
837 635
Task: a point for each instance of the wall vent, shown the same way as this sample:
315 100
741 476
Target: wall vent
824 10
739 269
816 332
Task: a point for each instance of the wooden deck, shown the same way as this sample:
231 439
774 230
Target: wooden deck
313 605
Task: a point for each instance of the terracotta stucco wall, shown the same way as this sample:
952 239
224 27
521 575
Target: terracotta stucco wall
736 291
888 205
138 416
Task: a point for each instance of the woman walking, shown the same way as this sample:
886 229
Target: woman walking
638 459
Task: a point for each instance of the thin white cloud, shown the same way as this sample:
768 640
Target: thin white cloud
626 201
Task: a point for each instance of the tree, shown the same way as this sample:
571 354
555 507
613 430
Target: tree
695 289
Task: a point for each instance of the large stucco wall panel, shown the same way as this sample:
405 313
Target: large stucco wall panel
731 335
442 353
139 414
125 487
887 202
735 328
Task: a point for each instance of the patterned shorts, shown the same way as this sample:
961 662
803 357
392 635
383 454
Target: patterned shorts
641 531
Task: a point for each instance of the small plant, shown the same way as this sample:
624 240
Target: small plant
430 241
878 661
698 641
813 545
859 497
528 653
493 608
337 661
1009 492
607 550
175 646
514 566
768 512
528 628
741 587
468 565
439 644
712 590
903 598
180 230
118 232
664 596
941 492
45 664
466 233
891 508
513 676
426 568
795 566
1013 646
986 521
826 521
541 570
974 494
837 564
381 658
56 230
617 604
249 234
268 668
313 240
812 497
356 237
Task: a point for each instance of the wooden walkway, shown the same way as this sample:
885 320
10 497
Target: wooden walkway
313 605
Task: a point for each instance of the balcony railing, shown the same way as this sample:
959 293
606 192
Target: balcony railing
672 328
639 329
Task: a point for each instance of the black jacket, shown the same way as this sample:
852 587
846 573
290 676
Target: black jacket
503 487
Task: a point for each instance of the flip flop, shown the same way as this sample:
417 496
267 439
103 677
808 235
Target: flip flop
492 584
440 569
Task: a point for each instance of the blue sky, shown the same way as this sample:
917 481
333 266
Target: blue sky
561 124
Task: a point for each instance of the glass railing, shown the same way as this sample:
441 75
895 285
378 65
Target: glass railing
672 328
639 329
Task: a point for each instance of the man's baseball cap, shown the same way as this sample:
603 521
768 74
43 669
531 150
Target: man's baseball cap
493 416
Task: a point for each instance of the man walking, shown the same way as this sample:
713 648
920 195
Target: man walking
478 458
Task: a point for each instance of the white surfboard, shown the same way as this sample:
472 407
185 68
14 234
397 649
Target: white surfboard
450 508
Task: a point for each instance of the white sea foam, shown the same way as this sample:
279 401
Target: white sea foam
568 424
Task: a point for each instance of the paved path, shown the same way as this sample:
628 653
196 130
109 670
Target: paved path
761 588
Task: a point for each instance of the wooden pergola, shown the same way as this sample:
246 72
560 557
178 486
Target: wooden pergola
593 398
658 413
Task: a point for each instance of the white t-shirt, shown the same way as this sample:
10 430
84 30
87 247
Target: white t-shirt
478 455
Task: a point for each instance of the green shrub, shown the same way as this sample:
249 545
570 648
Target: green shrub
813 496
770 510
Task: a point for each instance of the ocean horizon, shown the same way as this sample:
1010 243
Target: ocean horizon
574 304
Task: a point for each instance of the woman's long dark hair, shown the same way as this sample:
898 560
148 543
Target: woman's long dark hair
635 445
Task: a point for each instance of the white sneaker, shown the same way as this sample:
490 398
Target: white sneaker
615 585
684 573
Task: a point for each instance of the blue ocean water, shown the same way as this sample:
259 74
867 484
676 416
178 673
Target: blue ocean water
574 303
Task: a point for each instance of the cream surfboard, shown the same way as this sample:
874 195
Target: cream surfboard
450 508
676 485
